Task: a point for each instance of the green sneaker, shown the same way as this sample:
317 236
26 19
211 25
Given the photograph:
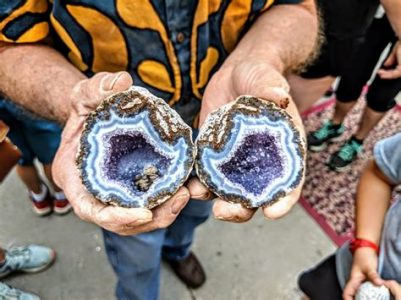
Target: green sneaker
29 259
9 293
318 140
348 153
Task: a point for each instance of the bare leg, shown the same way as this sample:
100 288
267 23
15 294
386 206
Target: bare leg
48 171
306 92
2 255
369 120
29 175
341 110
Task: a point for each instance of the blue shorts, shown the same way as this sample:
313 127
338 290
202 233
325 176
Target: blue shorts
34 136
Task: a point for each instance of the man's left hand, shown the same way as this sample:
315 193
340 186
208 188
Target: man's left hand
392 64
260 79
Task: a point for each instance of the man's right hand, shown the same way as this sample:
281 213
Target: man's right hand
85 97
364 268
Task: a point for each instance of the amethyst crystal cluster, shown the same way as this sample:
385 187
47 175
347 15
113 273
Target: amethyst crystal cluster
249 151
135 150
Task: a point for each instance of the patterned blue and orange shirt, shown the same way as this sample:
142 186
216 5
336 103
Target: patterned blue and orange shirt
171 47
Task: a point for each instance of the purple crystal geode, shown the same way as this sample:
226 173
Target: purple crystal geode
135 150
249 151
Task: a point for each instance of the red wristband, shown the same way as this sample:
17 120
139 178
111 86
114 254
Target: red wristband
361 243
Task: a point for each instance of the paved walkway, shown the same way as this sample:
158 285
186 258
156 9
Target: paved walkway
257 260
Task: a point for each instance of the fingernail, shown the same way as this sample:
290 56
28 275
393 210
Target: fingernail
110 80
232 220
179 204
203 196
284 103
283 92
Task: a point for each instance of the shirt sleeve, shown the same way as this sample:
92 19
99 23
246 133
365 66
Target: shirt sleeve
24 21
387 154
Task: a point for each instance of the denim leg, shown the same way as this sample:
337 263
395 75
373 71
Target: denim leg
179 235
136 262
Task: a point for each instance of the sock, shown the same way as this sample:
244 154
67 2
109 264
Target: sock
59 195
41 196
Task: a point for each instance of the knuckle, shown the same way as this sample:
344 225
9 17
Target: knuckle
77 89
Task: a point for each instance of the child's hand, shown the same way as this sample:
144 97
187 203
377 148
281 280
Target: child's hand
395 288
364 268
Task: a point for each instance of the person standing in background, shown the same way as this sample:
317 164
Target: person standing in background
380 97
39 139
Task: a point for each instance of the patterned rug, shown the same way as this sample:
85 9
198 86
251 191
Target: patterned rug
329 196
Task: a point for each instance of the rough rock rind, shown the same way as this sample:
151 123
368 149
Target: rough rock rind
224 135
135 116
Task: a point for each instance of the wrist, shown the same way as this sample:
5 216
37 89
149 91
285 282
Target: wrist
360 243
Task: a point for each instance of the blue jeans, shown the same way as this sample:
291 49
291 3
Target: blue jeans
136 259
35 137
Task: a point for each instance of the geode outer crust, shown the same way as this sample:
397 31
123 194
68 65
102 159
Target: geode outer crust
135 151
250 152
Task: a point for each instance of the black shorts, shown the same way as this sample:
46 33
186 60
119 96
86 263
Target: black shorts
345 25
382 92
334 57
321 282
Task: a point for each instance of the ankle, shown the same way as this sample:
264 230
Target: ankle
2 257
38 197
337 122
59 195
336 125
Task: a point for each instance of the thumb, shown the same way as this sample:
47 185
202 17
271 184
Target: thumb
390 60
374 277
278 95
352 287
115 82
88 93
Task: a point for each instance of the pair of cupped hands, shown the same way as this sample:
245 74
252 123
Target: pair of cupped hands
258 79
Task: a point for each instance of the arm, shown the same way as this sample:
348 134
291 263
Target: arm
276 43
372 203
281 40
393 12
40 79
371 210
277 37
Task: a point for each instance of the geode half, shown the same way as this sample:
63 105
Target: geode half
249 151
135 150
